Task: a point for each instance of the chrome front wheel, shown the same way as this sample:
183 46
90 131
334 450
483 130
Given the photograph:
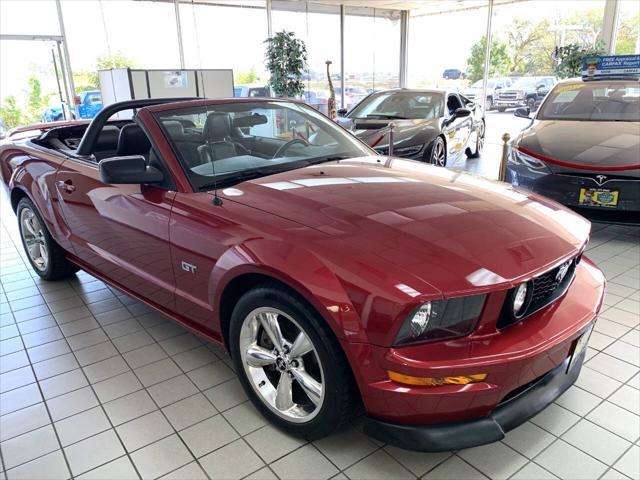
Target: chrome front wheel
282 365
33 236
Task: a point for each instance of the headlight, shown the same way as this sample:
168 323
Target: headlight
519 158
412 150
441 320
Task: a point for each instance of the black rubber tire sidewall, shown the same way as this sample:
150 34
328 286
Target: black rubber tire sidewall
59 267
337 406
429 152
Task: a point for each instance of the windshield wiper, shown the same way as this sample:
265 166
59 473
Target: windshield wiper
384 115
331 158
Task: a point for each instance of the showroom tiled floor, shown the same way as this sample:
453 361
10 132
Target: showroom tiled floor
95 385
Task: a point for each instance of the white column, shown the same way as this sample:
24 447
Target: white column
176 4
609 25
487 54
71 92
404 48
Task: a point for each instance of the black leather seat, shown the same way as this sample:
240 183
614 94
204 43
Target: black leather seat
133 141
107 142
186 145
217 135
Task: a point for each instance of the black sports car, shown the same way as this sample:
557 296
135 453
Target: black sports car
582 149
434 126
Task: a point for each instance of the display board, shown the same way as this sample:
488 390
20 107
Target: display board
121 84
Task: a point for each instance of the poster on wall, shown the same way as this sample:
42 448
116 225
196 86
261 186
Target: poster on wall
175 79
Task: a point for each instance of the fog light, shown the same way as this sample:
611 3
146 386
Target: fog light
520 300
435 382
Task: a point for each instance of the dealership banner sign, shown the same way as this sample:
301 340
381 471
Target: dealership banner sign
598 66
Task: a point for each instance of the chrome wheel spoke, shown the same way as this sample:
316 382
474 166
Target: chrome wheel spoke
311 387
301 346
284 393
28 224
34 250
260 357
269 321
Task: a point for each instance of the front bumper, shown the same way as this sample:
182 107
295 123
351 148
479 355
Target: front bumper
514 358
565 189
508 415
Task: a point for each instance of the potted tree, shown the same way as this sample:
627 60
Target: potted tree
286 59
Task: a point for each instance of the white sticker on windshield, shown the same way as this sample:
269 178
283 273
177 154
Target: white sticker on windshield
566 97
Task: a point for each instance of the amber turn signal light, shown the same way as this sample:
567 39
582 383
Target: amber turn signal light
436 382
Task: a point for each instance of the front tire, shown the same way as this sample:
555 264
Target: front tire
489 105
47 258
436 153
479 143
289 363
501 109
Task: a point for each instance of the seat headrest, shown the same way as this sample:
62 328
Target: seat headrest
107 139
175 129
217 127
132 141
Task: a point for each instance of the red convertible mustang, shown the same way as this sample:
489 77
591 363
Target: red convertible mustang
450 308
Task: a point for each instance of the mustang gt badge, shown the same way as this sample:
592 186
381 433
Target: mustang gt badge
187 267
562 271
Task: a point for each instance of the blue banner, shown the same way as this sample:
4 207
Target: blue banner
610 66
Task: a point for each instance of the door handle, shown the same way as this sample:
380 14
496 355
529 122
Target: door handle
66 186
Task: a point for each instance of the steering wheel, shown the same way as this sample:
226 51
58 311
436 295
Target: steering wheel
290 143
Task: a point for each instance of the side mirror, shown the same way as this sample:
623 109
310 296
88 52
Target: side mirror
461 113
128 170
522 112
342 112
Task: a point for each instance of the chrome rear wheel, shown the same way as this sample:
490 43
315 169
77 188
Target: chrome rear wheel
33 236
282 364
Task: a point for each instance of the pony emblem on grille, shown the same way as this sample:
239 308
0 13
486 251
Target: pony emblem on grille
562 271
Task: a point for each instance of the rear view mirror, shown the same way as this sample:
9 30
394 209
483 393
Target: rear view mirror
522 112
132 169
250 120
342 112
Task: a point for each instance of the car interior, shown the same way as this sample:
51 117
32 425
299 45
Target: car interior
222 145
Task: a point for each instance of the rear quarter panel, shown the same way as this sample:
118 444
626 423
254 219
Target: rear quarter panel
31 171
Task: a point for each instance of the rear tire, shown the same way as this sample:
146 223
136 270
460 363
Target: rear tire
47 258
274 376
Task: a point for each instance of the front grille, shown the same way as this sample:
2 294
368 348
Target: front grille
508 96
544 285
546 288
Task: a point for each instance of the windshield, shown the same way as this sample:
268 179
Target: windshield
597 100
401 105
226 143
527 82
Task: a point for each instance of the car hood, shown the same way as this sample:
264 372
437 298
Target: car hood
455 231
593 144
406 132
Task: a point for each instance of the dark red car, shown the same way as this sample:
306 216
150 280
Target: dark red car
449 307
